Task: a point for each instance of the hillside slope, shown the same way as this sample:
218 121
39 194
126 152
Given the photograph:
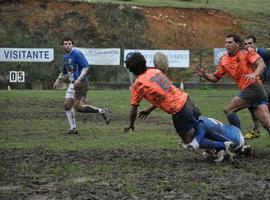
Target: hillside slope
39 23
33 23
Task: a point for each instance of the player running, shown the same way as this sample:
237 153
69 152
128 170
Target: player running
250 42
74 72
244 66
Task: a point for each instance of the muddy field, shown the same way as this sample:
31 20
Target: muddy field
161 174
119 173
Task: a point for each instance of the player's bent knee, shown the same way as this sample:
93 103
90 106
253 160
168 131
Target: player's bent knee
68 104
79 107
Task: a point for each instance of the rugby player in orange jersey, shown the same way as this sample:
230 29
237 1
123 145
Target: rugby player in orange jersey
244 66
154 86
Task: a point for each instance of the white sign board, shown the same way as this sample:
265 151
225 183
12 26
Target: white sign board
101 56
176 58
218 53
26 55
16 76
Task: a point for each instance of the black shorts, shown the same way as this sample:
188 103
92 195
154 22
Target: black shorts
253 94
186 118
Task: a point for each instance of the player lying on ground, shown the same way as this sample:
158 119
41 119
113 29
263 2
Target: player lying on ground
220 138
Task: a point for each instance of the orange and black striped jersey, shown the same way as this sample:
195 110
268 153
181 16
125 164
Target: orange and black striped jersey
237 66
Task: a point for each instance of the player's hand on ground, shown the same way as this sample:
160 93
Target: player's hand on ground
201 71
128 128
143 114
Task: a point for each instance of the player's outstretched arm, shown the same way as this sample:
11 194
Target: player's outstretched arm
201 71
132 119
144 113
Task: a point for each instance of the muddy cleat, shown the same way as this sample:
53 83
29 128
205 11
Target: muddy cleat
190 148
105 114
229 146
252 134
220 156
246 150
209 154
73 131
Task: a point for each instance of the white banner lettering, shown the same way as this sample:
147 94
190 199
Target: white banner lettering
26 55
176 58
101 56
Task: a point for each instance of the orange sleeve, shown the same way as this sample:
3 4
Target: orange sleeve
220 71
252 56
137 93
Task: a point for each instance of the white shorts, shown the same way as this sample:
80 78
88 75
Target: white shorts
70 93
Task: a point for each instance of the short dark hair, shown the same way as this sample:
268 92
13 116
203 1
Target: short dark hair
136 63
67 38
235 37
251 37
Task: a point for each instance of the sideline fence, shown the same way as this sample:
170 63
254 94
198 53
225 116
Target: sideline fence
42 75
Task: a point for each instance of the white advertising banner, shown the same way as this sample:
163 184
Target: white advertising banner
101 56
26 55
176 58
218 53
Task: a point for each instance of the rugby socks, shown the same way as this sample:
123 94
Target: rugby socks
234 120
92 109
71 118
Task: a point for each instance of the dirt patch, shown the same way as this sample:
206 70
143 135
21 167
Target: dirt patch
128 174
189 28
109 25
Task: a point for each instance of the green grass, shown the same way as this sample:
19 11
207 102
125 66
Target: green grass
35 119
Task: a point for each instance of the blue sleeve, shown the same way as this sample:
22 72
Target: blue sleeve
64 69
200 131
83 63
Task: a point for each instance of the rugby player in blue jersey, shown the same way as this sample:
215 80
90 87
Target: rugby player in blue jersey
74 72
250 42
219 138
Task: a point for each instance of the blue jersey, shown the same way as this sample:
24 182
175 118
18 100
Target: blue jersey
73 64
212 129
265 54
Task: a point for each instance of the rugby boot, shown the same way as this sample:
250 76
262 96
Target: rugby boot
252 134
73 131
220 156
229 146
106 115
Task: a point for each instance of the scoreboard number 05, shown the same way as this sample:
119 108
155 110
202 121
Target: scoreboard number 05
16 76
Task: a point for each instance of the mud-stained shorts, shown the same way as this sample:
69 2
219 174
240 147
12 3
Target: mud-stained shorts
254 94
77 94
186 118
